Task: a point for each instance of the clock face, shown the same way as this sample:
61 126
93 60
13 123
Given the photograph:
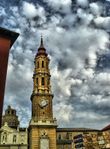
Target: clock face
43 103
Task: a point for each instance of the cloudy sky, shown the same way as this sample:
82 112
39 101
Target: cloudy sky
76 38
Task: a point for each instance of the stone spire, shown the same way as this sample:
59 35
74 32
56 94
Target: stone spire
41 43
41 49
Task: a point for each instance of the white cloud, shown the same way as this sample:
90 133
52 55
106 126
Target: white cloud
83 3
29 10
88 73
59 3
62 5
63 81
85 17
103 22
96 8
104 78
66 112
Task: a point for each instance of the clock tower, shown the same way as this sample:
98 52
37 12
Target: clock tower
42 127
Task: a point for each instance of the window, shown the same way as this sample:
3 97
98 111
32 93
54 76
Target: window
12 112
42 64
14 139
42 80
59 137
22 139
67 135
4 138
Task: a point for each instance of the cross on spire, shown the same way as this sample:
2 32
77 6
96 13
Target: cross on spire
41 43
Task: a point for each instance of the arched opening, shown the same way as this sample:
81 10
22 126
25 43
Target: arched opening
43 81
42 64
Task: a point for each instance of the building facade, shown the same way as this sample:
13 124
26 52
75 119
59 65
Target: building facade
11 135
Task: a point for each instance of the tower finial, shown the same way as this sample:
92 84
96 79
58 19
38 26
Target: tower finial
41 44
41 49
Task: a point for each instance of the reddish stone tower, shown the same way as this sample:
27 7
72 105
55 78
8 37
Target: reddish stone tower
7 39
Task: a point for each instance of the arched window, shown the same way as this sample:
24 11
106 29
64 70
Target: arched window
14 139
43 81
42 64
4 138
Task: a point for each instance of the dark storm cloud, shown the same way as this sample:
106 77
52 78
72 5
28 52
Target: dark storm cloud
74 36
10 3
103 62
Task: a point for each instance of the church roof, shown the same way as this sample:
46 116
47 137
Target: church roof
76 129
106 128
